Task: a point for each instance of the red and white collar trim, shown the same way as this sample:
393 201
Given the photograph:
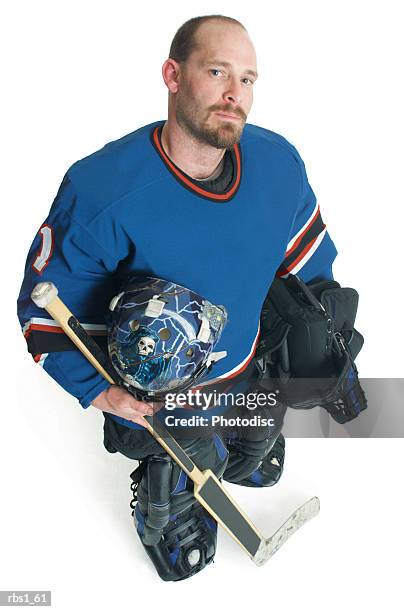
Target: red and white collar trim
191 184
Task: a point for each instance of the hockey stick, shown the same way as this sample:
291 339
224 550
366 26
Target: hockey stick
208 490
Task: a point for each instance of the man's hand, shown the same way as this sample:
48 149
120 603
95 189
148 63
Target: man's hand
121 403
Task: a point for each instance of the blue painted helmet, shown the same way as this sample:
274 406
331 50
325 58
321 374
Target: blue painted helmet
161 336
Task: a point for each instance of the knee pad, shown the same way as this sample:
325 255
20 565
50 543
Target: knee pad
176 532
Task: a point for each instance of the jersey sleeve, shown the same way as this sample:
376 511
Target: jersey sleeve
66 253
310 251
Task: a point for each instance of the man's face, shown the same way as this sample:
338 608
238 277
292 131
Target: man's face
217 78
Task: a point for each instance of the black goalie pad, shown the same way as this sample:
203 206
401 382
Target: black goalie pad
309 343
176 532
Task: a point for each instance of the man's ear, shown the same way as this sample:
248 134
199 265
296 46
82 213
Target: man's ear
171 75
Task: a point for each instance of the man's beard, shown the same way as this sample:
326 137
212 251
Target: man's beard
194 122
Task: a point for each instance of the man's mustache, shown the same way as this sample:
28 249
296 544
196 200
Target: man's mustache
232 111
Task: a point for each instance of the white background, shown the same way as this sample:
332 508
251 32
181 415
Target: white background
79 74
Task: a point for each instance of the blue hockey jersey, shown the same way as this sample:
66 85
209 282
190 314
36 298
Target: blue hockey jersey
128 208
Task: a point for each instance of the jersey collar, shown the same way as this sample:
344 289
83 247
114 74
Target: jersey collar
191 184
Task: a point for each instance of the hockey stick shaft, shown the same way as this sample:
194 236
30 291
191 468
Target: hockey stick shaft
208 490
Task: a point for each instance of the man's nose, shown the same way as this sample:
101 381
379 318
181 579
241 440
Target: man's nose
234 92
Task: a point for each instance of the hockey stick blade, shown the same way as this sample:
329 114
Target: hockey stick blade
300 517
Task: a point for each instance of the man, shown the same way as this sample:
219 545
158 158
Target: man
202 199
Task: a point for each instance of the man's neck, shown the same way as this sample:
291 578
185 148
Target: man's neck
196 159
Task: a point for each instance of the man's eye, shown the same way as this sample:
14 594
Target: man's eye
215 70
250 81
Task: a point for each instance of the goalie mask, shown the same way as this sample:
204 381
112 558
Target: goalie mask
161 336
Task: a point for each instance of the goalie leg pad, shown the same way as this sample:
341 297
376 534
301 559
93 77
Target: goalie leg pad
267 470
271 468
187 544
177 533
257 451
